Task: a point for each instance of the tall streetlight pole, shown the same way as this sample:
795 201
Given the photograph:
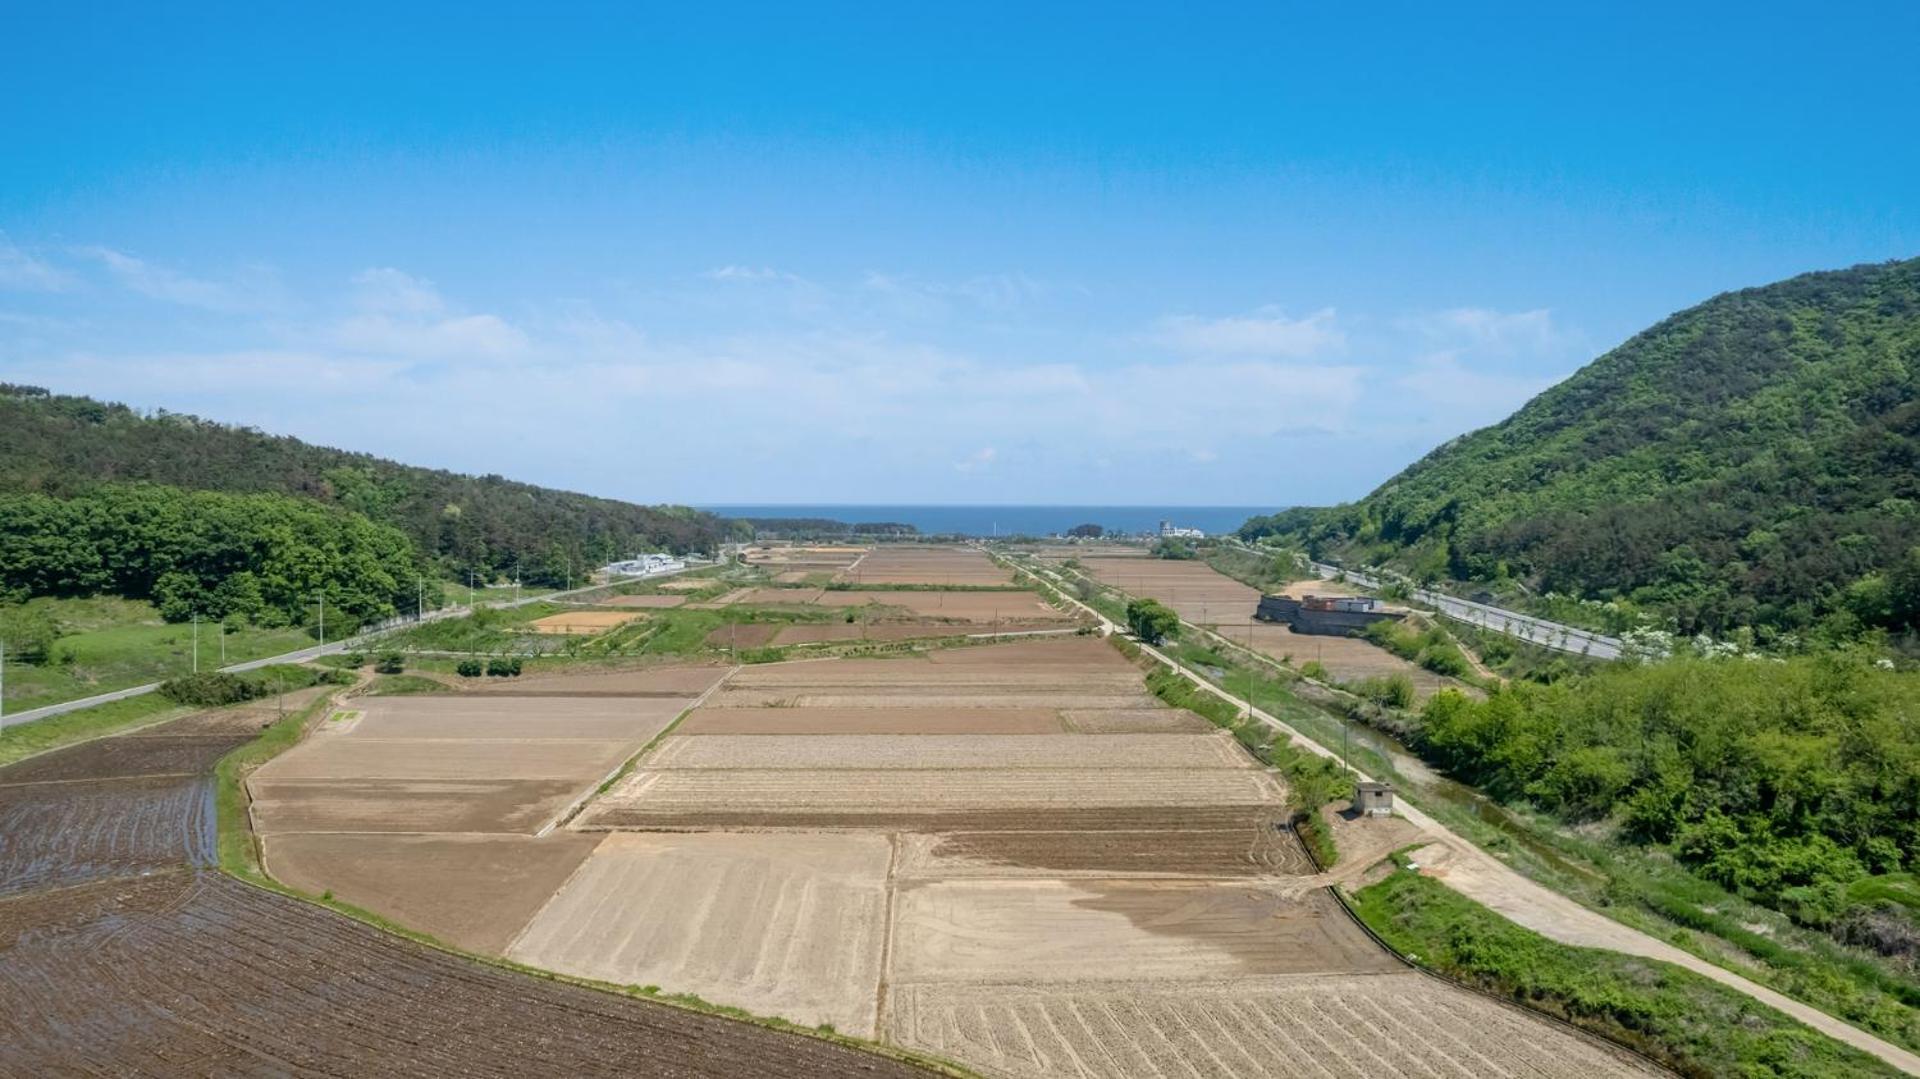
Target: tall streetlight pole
196 642
323 619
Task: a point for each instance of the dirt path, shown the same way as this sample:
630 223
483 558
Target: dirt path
1474 873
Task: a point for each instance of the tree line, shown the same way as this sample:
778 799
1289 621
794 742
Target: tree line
1795 782
63 446
265 558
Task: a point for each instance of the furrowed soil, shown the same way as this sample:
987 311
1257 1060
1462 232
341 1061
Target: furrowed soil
1120 930
784 924
433 883
454 764
927 565
1337 1026
645 601
116 962
791 721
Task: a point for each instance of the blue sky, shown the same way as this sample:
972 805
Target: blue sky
917 253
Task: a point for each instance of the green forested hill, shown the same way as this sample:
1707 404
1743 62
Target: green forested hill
63 446
1754 460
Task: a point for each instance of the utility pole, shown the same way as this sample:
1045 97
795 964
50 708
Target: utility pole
223 644
420 603
196 642
3 687
469 588
323 619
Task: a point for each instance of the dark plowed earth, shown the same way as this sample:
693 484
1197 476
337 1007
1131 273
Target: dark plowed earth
58 834
119 956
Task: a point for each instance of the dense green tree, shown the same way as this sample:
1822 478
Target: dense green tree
203 553
1744 462
1152 621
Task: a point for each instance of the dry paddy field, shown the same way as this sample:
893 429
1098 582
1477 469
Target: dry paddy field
1010 855
582 622
122 953
1208 597
900 564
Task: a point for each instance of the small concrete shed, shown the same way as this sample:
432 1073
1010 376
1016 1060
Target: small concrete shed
1373 799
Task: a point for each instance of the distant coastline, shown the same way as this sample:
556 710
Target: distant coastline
1009 520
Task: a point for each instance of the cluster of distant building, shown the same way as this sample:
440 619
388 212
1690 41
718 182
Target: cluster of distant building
643 566
1169 530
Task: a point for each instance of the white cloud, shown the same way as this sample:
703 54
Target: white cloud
254 292
747 273
402 315
20 270
1266 332
977 460
1493 333
389 290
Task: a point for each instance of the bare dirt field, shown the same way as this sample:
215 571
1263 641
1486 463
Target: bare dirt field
949 752
1332 1026
645 601
176 971
576 623
820 632
1179 843
454 764
186 974
767 797
789 925
891 564
473 891
869 721
682 681
1119 930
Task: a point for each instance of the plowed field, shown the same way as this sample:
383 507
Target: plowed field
1353 1026
118 957
789 925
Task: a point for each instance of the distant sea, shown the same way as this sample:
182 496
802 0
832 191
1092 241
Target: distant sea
1015 520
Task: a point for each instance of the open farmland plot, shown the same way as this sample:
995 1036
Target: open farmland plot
473 891
1347 1026
113 962
454 764
927 565
581 623
789 925
654 601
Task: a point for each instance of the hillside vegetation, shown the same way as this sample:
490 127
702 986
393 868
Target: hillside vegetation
63 446
1752 461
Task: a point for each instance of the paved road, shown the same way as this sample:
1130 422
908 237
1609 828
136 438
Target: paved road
1480 876
1554 635
302 655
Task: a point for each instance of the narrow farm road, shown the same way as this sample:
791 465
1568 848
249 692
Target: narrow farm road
1457 863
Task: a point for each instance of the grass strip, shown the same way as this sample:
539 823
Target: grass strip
84 725
1689 1023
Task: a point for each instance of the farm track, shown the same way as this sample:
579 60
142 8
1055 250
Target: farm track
121 954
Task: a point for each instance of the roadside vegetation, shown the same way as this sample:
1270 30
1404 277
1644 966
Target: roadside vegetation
1687 1022
64 648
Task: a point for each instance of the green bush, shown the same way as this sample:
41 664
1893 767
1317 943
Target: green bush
504 668
390 663
469 668
1152 621
210 689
